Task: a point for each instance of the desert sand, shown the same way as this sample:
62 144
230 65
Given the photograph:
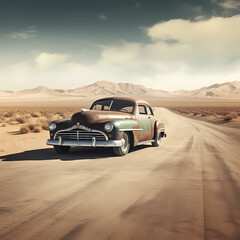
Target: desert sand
188 188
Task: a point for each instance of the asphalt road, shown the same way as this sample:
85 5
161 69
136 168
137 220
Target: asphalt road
188 188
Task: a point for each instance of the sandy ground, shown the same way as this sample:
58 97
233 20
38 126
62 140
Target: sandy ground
188 188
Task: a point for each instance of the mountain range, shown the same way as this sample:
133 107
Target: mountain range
229 90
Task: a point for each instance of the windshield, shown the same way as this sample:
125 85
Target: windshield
113 105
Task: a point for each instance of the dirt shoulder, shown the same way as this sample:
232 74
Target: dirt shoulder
219 115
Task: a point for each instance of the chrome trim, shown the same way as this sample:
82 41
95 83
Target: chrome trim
93 142
81 127
86 143
110 105
60 140
144 142
130 129
110 125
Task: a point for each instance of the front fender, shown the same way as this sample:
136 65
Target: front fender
124 125
61 124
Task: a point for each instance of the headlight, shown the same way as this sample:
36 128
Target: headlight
108 127
52 126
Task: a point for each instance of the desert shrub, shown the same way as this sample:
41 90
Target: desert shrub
21 119
31 126
230 116
37 129
24 129
44 124
8 114
12 122
36 114
195 113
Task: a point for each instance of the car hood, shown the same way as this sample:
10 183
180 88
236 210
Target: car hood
90 117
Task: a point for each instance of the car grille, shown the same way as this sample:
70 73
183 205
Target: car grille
79 134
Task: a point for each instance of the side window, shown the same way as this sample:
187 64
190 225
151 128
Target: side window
142 109
97 107
149 111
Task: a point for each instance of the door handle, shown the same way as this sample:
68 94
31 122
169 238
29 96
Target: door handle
149 117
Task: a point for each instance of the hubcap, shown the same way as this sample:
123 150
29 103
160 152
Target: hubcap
159 137
125 144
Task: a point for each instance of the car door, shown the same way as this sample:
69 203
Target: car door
144 121
152 119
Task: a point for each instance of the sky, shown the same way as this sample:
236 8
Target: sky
167 45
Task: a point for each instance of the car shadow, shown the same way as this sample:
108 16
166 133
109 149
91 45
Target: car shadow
74 154
50 154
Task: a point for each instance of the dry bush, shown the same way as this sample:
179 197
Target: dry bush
21 119
230 116
8 114
31 126
24 129
12 122
36 114
44 123
196 113
37 129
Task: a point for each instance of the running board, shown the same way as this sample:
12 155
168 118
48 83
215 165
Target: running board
144 142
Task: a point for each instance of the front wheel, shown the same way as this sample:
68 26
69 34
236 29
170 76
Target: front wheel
124 149
61 149
157 139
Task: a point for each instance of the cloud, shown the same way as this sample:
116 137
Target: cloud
180 54
228 4
30 32
102 16
46 59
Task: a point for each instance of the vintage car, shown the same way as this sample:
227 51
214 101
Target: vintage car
116 122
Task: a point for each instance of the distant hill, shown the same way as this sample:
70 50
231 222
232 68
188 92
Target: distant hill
224 90
230 90
97 89
105 88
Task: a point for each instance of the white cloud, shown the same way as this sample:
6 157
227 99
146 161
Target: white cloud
30 32
228 4
102 16
45 59
181 54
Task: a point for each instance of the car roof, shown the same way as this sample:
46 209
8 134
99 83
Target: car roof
134 100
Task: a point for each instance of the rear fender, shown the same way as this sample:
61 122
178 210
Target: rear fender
159 126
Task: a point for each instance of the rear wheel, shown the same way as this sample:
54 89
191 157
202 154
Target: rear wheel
61 149
120 151
157 139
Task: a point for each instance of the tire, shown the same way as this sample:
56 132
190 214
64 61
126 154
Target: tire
121 151
157 139
61 149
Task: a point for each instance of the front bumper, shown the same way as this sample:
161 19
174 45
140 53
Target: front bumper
85 143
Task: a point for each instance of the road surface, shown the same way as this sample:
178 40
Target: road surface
188 188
